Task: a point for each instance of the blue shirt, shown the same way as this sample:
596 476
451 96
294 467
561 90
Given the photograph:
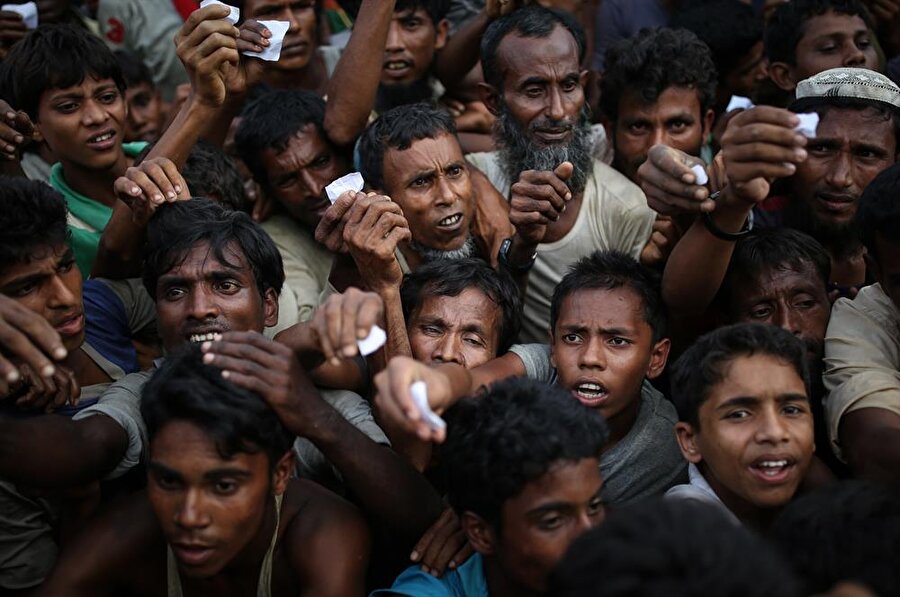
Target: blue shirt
466 581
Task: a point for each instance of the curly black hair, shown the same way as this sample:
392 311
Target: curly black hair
33 219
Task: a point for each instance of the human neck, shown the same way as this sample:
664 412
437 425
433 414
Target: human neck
312 77
621 424
750 515
95 184
499 585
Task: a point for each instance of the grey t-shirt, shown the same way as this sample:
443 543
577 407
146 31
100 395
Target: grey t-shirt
644 463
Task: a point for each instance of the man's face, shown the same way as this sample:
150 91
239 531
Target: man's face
463 329
748 73
210 508
300 40
887 266
851 148
84 124
144 113
411 43
203 295
297 176
50 285
540 524
602 348
543 85
755 440
430 182
675 119
833 40
794 299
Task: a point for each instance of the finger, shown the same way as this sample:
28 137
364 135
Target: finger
763 152
320 325
445 557
368 315
350 305
179 185
526 204
564 171
428 537
746 173
671 162
29 337
149 190
538 178
670 183
160 179
543 193
334 318
764 114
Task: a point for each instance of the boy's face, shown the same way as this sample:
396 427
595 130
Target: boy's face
540 524
84 124
50 285
755 439
144 113
202 295
300 40
430 181
794 299
833 40
602 348
298 175
463 329
410 47
210 508
675 119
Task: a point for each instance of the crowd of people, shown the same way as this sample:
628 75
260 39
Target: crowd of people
614 310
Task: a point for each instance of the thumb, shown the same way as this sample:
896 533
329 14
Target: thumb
564 170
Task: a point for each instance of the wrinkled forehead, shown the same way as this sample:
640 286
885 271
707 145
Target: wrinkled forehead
520 57
202 260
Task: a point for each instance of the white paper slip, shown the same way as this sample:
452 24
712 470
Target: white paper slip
809 124
739 102
372 342
235 15
28 11
273 52
700 172
349 182
419 393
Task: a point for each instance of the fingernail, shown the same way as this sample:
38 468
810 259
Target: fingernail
699 194
157 197
414 556
135 191
226 374
452 564
208 358
19 138
800 154
60 353
48 370
178 188
9 148
205 346
568 196
791 167
170 194
13 376
217 337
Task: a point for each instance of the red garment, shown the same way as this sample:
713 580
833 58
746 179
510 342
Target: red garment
185 7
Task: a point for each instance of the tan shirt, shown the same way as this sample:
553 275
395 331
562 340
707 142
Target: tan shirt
613 216
862 358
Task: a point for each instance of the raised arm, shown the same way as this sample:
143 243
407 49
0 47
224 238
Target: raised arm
354 83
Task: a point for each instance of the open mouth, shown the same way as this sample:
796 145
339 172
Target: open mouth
103 140
192 555
295 49
591 393
773 470
450 221
397 67
207 337
71 325
837 203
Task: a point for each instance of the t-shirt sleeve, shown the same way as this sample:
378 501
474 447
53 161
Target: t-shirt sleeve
140 310
536 358
122 403
416 583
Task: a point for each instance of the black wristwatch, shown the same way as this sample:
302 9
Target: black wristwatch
719 233
503 257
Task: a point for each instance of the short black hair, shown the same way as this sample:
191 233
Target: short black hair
436 9
210 172
397 129
33 219
787 24
775 249
184 388
134 70
55 57
671 548
653 61
848 531
532 21
450 278
178 227
510 436
608 270
729 28
269 122
706 362
878 212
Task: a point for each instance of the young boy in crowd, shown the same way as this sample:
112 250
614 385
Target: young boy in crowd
521 465
75 99
145 115
221 512
607 339
745 422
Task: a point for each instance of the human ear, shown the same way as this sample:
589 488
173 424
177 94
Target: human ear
687 442
490 97
658 358
708 119
284 469
440 31
782 75
481 535
270 307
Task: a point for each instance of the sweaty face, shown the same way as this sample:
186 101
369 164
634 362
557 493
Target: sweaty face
83 125
794 299
202 295
210 508
602 348
144 113
300 40
50 285
461 329
755 440
675 119
540 524
430 182
298 175
851 148
411 43
833 40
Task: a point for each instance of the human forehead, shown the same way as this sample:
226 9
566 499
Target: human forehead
674 100
200 261
567 483
89 85
857 125
255 6
185 447
779 277
554 57
831 23
44 260
424 154
602 307
302 148
471 305
758 376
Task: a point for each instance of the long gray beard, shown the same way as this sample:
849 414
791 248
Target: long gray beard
468 249
518 153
